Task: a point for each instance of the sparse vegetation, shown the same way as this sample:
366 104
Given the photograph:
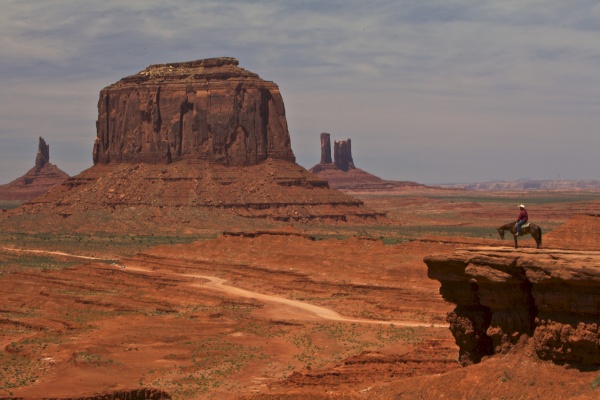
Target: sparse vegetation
212 345
9 204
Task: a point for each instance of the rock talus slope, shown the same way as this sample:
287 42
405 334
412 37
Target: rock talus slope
552 296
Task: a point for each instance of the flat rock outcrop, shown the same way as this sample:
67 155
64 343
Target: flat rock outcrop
551 296
38 180
210 110
342 174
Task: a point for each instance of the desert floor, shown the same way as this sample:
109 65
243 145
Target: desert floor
342 310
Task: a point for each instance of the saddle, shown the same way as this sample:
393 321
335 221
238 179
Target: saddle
525 225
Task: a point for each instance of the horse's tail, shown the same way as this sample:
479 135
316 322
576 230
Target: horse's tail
540 230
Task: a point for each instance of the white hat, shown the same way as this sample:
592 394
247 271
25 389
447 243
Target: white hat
521 206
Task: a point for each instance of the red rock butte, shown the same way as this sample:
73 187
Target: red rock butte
209 110
202 143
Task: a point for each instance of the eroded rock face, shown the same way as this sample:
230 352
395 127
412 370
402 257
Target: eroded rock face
325 148
552 296
43 154
209 110
342 154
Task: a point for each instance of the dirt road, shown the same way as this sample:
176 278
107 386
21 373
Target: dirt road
215 283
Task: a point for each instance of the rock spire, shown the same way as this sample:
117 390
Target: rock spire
38 180
342 154
325 148
43 154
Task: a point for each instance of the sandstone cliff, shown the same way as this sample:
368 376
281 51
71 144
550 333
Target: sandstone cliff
208 110
38 180
551 296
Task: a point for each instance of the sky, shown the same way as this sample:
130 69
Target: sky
431 91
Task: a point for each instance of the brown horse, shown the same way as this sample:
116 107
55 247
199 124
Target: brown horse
534 230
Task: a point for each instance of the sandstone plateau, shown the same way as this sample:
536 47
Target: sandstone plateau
38 180
342 174
503 296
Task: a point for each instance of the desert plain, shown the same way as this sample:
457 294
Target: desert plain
274 310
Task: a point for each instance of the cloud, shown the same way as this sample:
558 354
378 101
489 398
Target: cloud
404 79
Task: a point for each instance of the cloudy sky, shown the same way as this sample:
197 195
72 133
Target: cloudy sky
431 91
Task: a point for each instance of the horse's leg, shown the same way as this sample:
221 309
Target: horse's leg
516 244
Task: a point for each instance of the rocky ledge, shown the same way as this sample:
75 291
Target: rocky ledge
551 296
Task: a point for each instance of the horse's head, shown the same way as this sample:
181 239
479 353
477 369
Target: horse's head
501 233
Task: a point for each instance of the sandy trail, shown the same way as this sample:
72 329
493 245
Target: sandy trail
215 283
57 253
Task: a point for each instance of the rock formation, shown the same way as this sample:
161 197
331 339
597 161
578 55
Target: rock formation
38 180
209 110
342 155
551 296
204 142
325 148
43 154
342 174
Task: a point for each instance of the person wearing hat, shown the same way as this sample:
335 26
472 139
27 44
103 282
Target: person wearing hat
521 219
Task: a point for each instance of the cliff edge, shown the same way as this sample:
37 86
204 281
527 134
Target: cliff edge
551 296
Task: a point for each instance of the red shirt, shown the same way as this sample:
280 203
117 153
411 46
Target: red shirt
523 216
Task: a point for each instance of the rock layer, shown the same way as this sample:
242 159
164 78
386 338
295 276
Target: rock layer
208 110
185 197
552 296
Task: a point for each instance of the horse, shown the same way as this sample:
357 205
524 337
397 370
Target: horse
532 229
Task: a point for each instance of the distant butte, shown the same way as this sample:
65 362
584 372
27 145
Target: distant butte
38 180
342 174
190 147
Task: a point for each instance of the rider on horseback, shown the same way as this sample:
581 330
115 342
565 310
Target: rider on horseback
521 219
